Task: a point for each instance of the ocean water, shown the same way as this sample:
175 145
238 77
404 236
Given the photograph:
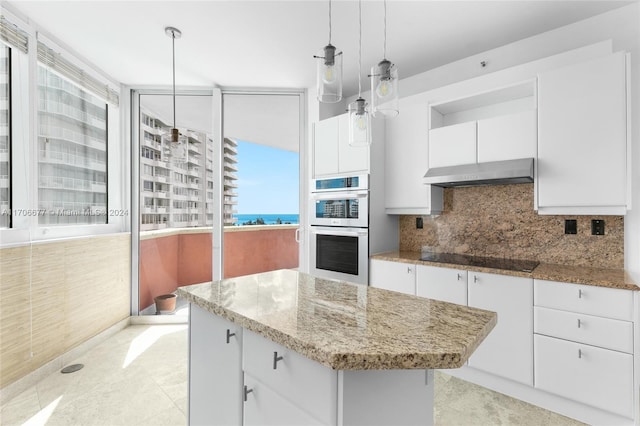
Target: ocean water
269 219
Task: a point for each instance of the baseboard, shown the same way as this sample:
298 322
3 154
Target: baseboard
14 389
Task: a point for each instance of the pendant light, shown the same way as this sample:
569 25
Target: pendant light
384 82
174 144
359 118
329 71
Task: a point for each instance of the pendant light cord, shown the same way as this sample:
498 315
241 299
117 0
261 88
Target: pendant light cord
173 48
359 47
329 21
384 49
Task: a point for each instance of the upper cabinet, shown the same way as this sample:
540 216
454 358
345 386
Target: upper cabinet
332 153
582 144
406 153
490 126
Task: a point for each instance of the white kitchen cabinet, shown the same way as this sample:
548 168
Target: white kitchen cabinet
395 276
595 376
453 145
304 383
406 154
494 125
215 372
584 344
582 139
446 284
265 407
508 350
332 153
325 147
508 137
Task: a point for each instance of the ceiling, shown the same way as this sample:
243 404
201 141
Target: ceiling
271 43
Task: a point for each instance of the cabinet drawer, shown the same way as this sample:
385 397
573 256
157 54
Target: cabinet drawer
585 299
452 145
583 373
306 383
265 407
582 328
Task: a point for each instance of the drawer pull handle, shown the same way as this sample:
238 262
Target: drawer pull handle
579 353
247 391
579 323
408 269
475 278
459 277
579 293
229 335
276 358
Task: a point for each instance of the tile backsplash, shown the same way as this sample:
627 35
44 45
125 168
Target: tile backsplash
499 221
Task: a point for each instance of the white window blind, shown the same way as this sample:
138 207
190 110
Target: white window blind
54 60
12 35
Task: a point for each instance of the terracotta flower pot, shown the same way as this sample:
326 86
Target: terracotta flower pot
166 302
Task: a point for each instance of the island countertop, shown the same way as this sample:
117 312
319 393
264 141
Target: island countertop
346 326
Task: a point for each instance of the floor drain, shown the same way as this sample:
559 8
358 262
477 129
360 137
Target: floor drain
72 368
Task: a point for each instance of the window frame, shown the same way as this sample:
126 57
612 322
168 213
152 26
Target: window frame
24 148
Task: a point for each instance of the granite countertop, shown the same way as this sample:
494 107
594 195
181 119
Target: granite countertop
601 277
347 326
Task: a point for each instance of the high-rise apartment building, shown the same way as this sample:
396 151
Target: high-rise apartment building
180 194
72 153
5 199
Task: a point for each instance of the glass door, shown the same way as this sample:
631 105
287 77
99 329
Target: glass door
175 199
262 175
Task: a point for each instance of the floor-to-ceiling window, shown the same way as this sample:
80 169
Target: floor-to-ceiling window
175 195
266 130
5 136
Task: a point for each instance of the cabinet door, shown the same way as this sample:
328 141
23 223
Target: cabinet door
594 376
507 137
446 284
351 159
325 147
508 349
406 154
396 276
453 145
582 137
265 407
215 370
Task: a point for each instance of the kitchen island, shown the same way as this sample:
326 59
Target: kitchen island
284 347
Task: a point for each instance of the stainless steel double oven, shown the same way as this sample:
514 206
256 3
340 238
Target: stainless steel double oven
339 228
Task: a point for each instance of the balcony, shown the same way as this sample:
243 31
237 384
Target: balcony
175 257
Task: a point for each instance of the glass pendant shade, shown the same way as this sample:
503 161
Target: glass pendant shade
329 74
359 123
384 89
175 147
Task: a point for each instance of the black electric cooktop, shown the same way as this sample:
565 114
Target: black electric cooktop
483 262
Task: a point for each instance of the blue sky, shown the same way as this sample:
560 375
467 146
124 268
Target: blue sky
267 180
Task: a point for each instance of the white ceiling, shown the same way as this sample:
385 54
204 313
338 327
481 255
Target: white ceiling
271 43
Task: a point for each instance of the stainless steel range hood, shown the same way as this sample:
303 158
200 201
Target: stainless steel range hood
492 173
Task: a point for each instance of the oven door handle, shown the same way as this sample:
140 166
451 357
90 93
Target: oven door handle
341 196
341 233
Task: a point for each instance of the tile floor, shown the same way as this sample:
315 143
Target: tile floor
139 377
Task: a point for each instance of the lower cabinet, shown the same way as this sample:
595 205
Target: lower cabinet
584 344
395 276
301 382
508 349
446 284
266 407
595 376
215 370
